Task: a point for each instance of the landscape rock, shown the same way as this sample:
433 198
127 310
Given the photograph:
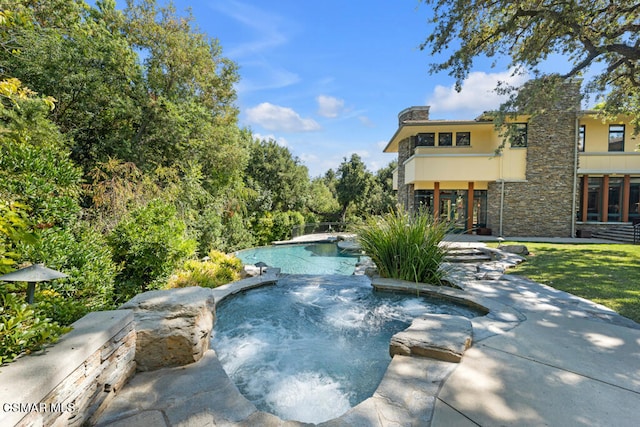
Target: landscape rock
173 326
514 249
437 336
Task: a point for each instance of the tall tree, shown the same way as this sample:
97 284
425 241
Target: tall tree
281 179
600 36
354 183
69 51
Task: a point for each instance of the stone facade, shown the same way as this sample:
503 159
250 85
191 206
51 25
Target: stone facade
542 205
74 380
405 150
419 113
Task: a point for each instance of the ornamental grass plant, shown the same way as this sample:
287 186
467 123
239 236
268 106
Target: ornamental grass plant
406 245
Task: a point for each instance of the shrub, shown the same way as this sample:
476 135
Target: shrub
83 254
273 226
150 243
218 270
23 328
405 246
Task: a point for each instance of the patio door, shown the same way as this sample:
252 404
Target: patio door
453 208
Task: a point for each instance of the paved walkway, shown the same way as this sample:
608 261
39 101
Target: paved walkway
553 360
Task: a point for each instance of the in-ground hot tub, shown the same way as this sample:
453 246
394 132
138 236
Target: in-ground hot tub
311 347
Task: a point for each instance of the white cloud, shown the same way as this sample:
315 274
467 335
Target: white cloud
277 118
328 106
278 139
265 27
477 94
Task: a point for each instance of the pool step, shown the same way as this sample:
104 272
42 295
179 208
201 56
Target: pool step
467 255
437 336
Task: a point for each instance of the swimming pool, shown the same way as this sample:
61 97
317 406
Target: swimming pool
313 258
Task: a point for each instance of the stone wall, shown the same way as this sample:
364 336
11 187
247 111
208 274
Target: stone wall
405 150
542 206
173 326
74 380
71 382
405 192
419 113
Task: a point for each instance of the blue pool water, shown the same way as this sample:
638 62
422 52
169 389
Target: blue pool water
314 258
311 347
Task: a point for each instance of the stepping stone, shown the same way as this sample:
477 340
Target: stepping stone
437 336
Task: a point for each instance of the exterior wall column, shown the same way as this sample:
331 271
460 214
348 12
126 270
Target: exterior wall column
543 205
585 198
605 198
470 208
436 200
404 152
626 188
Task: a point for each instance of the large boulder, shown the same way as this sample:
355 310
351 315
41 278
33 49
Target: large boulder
437 336
173 326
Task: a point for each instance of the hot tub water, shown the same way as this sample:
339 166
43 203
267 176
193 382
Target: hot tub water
311 347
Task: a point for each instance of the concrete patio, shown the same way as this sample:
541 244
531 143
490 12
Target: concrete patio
546 358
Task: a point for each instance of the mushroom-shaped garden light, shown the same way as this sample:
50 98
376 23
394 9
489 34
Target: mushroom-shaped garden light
33 274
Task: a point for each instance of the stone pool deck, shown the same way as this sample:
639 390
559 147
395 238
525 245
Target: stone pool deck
541 357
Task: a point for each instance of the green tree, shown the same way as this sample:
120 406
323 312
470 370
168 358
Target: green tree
280 178
77 55
382 199
322 200
353 184
598 36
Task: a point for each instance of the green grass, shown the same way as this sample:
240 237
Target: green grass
606 274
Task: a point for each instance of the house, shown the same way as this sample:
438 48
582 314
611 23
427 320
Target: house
565 172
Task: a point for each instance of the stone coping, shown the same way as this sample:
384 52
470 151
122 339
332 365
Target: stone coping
30 379
406 394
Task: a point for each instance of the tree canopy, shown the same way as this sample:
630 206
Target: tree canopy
601 37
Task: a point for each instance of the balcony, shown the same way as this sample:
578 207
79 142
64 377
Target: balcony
606 163
465 167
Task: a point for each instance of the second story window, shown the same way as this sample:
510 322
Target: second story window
519 135
616 137
581 137
445 139
463 139
425 140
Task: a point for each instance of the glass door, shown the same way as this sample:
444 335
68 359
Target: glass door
453 208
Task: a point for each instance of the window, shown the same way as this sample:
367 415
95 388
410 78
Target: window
634 200
425 139
519 135
463 138
616 137
423 199
581 137
445 139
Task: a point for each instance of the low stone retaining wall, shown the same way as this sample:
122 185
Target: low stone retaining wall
73 381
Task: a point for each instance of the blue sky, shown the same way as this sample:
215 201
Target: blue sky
328 78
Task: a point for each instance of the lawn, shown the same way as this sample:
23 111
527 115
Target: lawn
606 274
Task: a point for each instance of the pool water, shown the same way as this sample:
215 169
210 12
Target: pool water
314 258
311 347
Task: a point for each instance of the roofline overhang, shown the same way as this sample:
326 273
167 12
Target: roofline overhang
427 124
